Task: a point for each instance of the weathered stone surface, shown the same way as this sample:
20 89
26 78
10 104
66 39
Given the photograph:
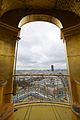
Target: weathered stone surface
70 5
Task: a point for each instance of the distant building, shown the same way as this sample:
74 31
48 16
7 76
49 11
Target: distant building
52 67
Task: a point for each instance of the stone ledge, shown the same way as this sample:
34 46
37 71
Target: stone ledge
76 109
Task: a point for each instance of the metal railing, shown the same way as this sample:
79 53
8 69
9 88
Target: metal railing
42 88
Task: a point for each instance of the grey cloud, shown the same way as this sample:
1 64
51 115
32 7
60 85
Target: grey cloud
40 47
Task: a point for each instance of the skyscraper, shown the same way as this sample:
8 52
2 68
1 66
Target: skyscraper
52 67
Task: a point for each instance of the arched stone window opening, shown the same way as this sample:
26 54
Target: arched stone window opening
40 54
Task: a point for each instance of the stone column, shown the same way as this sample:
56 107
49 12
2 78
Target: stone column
2 85
72 42
8 37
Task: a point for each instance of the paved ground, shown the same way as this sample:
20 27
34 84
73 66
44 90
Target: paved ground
43 111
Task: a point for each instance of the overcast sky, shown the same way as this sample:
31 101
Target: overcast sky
40 46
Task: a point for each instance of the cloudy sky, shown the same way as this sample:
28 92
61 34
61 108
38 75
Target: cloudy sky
40 46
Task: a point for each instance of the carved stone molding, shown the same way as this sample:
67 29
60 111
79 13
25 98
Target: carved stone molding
71 30
9 28
3 83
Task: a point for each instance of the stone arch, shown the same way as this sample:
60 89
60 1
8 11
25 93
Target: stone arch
40 17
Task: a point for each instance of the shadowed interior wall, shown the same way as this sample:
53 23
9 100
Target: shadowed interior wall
8 37
72 40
